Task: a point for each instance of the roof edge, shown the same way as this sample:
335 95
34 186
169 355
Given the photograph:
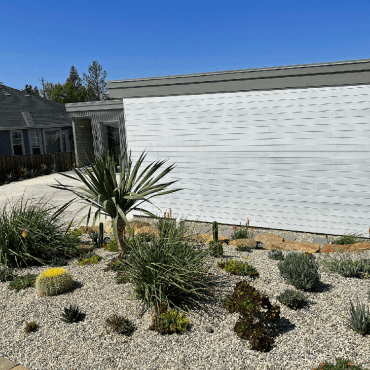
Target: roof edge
323 64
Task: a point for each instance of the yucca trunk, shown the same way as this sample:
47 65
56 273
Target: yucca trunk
121 238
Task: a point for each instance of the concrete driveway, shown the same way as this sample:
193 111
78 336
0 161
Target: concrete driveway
36 188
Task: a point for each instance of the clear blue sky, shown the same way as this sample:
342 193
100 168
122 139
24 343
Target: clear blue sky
136 39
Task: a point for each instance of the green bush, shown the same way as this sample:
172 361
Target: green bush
30 236
300 270
292 299
238 268
170 269
341 364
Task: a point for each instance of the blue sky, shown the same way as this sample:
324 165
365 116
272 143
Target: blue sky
156 38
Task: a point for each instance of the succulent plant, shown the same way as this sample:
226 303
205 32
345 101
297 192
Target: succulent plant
360 319
72 314
215 231
243 248
53 282
120 325
275 254
170 322
32 326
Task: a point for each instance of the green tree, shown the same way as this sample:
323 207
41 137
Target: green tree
74 78
28 89
46 89
68 93
96 81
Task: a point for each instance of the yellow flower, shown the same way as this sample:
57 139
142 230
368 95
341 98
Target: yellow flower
24 233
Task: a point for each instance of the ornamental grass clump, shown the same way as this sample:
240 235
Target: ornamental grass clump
171 270
30 236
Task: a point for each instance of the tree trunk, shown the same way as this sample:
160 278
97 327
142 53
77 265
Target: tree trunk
121 238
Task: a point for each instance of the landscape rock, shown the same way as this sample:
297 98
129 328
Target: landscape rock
357 247
206 238
251 243
293 245
135 225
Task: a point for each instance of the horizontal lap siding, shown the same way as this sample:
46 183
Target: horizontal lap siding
294 159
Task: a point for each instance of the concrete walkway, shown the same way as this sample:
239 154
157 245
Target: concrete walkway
37 190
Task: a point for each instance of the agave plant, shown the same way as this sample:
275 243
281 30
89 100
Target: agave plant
72 314
360 319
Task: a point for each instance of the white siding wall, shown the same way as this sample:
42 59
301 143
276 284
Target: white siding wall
295 159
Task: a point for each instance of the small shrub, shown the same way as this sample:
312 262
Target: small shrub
300 270
119 325
32 326
350 268
90 260
346 239
72 314
170 322
248 302
292 299
242 233
238 268
112 246
274 254
53 282
243 248
341 364
23 282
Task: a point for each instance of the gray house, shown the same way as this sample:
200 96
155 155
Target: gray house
31 125
287 147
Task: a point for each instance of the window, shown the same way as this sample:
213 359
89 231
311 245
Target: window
52 140
17 142
35 142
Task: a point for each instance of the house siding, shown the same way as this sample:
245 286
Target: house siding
291 159
5 144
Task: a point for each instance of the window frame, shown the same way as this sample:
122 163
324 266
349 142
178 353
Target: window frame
60 138
12 143
41 146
